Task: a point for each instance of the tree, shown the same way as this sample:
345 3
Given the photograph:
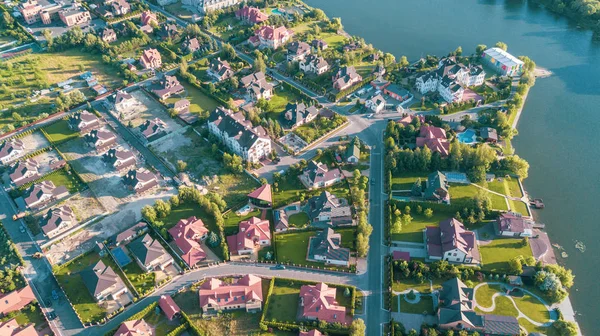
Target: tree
318 14
428 213
480 49
149 213
259 62
358 328
7 20
501 45
565 328
162 208
403 63
362 245
458 51
181 165
515 165
212 240
347 292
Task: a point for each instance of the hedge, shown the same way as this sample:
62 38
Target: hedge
179 330
192 328
336 96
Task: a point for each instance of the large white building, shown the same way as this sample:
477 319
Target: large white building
238 134
503 62
450 79
205 6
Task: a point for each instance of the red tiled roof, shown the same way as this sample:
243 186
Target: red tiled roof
12 328
251 231
399 255
263 193
185 234
213 291
16 300
168 306
319 302
135 328
434 138
313 332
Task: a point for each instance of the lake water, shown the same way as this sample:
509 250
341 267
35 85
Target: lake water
559 131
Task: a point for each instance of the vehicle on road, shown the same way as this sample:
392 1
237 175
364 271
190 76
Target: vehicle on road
51 315
54 294
279 267
22 229
19 215
37 255
370 115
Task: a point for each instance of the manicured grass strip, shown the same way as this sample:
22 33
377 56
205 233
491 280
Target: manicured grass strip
496 255
520 207
60 132
533 308
483 295
424 306
142 281
283 303
395 299
413 232
406 181
503 307
299 219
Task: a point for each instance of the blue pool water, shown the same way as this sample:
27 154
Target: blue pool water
467 137
122 257
454 177
276 12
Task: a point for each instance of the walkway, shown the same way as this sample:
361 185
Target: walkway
521 314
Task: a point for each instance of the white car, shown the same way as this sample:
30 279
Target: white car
370 115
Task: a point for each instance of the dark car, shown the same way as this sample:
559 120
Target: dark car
280 267
54 294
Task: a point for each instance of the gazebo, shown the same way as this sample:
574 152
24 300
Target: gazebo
261 197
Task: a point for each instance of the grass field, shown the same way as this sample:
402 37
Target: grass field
406 181
503 307
283 302
417 106
483 294
291 189
333 40
519 207
162 326
186 210
299 219
549 331
464 193
404 284
279 101
232 220
60 132
424 306
200 103
63 177
293 247
496 255
142 281
179 10
413 232
71 282
533 308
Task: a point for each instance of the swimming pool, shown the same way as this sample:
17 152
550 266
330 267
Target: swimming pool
276 11
467 137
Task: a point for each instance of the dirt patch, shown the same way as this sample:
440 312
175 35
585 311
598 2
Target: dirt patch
133 109
34 141
45 159
153 110
124 217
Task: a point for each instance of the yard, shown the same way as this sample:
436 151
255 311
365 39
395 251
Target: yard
464 193
424 306
503 307
71 282
158 320
30 314
419 106
405 181
59 132
279 101
496 255
483 294
179 10
413 232
299 219
220 28
142 281
186 210
200 103
293 247
232 220
64 177
289 189
283 302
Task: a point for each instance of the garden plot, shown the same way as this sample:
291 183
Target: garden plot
125 216
105 182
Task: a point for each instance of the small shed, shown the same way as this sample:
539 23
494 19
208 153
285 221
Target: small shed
400 255
515 280
489 134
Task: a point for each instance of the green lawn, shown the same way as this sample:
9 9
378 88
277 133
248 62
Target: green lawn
483 294
200 103
283 302
413 232
179 10
63 177
293 247
520 207
395 301
405 181
59 132
333 40
220 27
417 106
162 326
496 255
404 284
424 306
142 281
29 314
186 210
464 193
279 101
291 189
279 57
533 329
71 282
503 307
533 308
299 219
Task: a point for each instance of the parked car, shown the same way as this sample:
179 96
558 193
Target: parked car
279 267
22 229
54 294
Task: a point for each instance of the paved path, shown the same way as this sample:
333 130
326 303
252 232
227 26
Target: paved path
521 314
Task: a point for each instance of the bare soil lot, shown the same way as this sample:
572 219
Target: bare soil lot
136 108
105 183
33 142
126 215
152 110
45 159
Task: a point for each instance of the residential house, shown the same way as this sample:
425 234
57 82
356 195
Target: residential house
151 59
10 150
271 37
319 44
124 101
120 7
450 79
100 139
57 221
12 328
149 254
74 16
326 247
168 86
328 209
353 152
505 63
153 129
131 233
190 45
24 172
168 306
456 311
450 241
261 197
119 158
186 234
489 134
257 86
40 194
140 180
83 121
108 35
435 139
396 92
16 300
408 120
135 328
206 6
313 332
317 175
317 302
168 31
148 18
297 51
280 220
253 234
245 293
512 224
345 77
238 134
314 64
30 11
182 106
251 15
219 70
401 255
437 188
375 103
298 114
102 282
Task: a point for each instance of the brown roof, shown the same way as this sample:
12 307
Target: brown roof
168 306
135 328
99 278
12 328
319 302
55 217
262 193
16 300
